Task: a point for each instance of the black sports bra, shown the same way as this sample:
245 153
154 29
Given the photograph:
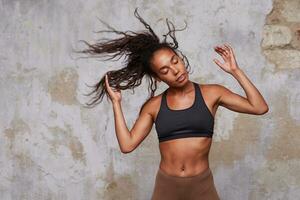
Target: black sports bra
195 121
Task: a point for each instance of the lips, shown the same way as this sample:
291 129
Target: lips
180 77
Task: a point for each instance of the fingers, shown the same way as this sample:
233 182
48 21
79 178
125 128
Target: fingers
221 49
108 87
228 47
225 50
221 52
107 84
217 62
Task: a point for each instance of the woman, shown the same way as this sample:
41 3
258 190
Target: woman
183 114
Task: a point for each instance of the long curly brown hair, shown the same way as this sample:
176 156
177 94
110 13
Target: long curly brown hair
138 49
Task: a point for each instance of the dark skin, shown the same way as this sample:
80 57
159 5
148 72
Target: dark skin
185 157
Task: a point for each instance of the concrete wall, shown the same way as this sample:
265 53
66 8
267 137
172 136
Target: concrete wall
51 147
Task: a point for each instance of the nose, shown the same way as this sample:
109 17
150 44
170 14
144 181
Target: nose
175 70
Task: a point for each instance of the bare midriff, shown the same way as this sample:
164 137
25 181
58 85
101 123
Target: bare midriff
185 157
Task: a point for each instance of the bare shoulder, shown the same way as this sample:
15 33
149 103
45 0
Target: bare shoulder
210 86
151 106
211 94
214 90
211 89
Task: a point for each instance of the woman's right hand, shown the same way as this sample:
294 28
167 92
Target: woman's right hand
114 94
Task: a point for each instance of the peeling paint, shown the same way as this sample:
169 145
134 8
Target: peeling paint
64 138
284 143
243 139
62 87
17 129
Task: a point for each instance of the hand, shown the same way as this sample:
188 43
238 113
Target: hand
114 95
227 54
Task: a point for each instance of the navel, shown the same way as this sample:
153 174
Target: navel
182 168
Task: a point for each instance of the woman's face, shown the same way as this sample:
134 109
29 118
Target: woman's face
169 67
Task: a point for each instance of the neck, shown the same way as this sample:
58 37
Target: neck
181 90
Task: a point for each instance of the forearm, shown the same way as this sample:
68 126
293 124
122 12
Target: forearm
253 95
122 132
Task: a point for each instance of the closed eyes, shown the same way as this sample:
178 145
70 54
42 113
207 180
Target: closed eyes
165 70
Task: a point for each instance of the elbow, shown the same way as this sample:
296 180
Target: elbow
126 150
263 110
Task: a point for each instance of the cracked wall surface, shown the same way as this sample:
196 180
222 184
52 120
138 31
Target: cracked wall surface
54 148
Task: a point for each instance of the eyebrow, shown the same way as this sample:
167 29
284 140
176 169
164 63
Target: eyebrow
170 60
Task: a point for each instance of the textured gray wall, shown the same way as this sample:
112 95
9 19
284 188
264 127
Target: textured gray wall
53 148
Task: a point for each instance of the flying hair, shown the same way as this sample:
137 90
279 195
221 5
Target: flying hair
137 48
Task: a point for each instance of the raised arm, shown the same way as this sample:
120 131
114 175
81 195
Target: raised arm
254 103
129 140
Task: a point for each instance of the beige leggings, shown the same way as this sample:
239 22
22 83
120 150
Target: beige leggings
198 187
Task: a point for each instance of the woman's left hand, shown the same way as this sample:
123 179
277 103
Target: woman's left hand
227 54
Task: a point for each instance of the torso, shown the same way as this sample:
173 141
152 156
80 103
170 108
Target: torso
176 158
